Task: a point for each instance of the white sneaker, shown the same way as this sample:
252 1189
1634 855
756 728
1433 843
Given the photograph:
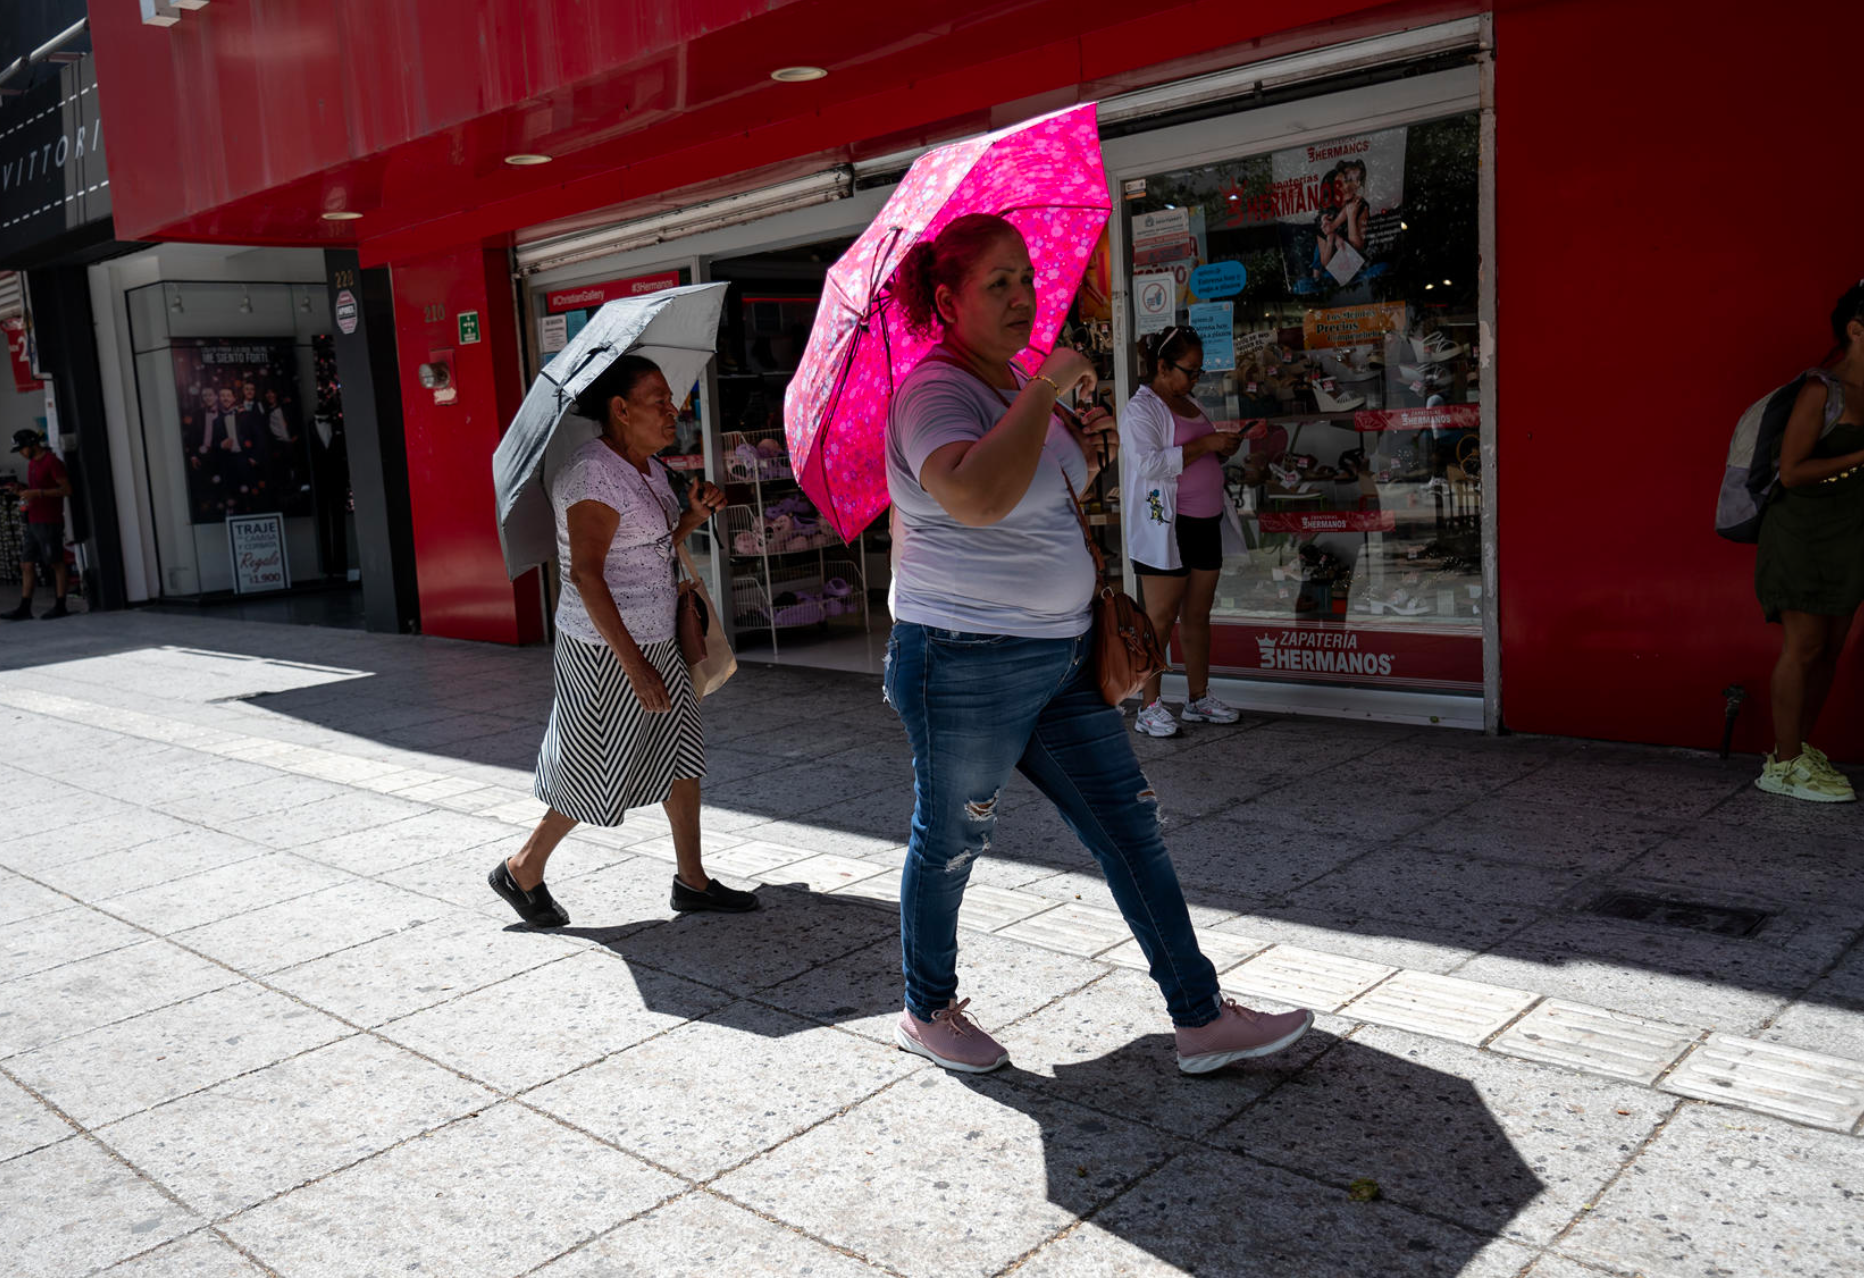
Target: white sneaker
1207 709
1156 721
1439 485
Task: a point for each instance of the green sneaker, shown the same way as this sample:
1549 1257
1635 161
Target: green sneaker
1799 779
1823 765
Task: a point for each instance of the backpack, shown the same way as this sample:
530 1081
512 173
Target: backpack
1753 470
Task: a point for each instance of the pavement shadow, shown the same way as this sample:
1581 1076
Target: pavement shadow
1310 1178
1392 844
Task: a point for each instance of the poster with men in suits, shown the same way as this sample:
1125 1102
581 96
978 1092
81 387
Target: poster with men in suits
242 432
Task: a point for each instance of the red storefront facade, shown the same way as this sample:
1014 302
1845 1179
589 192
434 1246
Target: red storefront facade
1641 281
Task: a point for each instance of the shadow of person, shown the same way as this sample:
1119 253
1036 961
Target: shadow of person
1340 1159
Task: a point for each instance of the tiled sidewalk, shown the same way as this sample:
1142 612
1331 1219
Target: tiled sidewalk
260 1014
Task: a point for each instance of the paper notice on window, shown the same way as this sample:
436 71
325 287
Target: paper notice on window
1155 301
553 333
1215 325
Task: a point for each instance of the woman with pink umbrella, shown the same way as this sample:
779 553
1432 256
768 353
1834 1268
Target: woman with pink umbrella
989 664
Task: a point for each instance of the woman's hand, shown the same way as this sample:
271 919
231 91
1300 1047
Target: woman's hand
705 500
1070 370
648 685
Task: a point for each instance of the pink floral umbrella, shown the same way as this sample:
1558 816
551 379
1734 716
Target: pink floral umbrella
1046 178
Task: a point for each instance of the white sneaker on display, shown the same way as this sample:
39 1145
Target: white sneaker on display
1156 721
1438 485
1207 709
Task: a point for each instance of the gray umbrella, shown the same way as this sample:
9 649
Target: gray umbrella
677 329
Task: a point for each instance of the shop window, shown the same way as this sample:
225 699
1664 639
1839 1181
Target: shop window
234 383
1334 286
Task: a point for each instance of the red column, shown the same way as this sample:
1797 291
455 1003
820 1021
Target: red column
450 436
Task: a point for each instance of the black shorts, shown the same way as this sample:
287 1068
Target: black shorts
1200 547
43 545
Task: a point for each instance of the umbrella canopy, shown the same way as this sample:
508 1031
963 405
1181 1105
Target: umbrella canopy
677 329
1046 178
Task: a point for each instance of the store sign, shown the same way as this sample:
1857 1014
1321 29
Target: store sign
1446 417
348 313
1352 325
52 175
258 545
15 330
587 296
1439 658
1327 521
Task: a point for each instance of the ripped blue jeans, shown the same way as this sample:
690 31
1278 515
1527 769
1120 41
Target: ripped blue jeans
975 706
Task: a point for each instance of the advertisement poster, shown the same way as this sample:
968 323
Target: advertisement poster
242 428
1340 205
258 546
1216 329
14 329
1352 325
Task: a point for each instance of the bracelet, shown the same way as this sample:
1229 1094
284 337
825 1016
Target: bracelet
1044 377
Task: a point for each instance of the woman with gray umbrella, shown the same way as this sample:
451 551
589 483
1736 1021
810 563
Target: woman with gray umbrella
624 730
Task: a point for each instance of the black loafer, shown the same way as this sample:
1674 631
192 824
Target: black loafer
716 897
536 907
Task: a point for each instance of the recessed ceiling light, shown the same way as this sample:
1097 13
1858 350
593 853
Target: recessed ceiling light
524 159
797 75
341 215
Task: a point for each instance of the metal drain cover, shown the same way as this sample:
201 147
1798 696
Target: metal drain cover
1718 920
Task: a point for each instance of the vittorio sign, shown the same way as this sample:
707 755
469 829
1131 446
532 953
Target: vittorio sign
52 173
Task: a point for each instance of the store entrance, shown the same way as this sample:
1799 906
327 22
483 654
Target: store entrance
798 593
243 447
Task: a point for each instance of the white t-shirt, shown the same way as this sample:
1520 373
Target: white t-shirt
639 567
1028 574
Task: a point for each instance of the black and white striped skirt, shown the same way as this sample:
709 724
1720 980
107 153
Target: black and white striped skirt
603 753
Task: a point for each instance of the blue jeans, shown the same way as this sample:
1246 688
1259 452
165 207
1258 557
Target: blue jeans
976 706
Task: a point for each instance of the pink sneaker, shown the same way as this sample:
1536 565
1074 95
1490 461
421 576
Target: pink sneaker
950 1039
1238 1034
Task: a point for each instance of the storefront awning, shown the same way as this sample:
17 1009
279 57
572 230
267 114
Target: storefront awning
253 123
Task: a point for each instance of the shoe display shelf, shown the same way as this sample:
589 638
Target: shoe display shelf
788 567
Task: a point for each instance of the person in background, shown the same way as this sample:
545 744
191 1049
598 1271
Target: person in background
990 665
1809 569
624 730
43 503
282 449
1175 533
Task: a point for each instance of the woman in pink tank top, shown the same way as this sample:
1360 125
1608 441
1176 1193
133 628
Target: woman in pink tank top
1175 517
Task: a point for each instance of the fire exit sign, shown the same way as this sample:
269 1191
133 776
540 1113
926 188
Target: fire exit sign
469 327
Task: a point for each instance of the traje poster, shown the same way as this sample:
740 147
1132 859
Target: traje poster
1340 205
242 429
